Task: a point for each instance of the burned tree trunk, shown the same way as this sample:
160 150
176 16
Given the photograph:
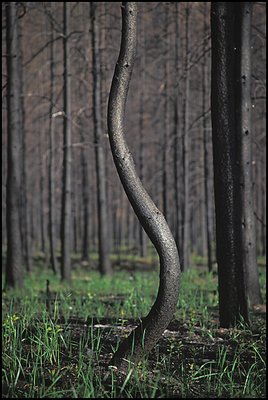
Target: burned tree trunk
206 141
67 157
232 288
51 184
105 266
185 151
244 139
14 251
146 335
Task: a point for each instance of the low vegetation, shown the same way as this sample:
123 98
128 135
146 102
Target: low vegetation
59 344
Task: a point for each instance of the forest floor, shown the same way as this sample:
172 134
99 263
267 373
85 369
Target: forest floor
61 346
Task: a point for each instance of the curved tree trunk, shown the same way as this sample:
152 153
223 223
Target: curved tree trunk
146 335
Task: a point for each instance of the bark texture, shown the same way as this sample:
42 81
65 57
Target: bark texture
146 335
67 157
207 172
186 148
244 133
14 250
103 231
232 291
51 183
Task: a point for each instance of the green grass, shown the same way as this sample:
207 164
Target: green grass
46 356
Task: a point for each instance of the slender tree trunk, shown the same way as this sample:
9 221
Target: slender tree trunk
244 132
166 135
207 178
186 199
145 336
51 172
75 230
116 229
263 213
130 224
122 221
86 205
176 147
232 290
104 92
66 224
142 83
25 240
42 194
14 275
104 260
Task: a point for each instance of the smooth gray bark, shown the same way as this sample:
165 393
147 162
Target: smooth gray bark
145 336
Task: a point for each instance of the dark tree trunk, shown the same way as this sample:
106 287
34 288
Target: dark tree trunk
146 335
232 291
165 138
206 140
130 224
86 204
51 172
185 146
244 133
142 82
25 239
176 147
66 224
14 275
263 213
104 34
103 232
41 208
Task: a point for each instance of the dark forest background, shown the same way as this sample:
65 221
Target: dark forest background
168 125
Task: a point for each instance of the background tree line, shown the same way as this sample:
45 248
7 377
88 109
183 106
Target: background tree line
69 196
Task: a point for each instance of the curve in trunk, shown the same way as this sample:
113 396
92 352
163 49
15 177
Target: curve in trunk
148 332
